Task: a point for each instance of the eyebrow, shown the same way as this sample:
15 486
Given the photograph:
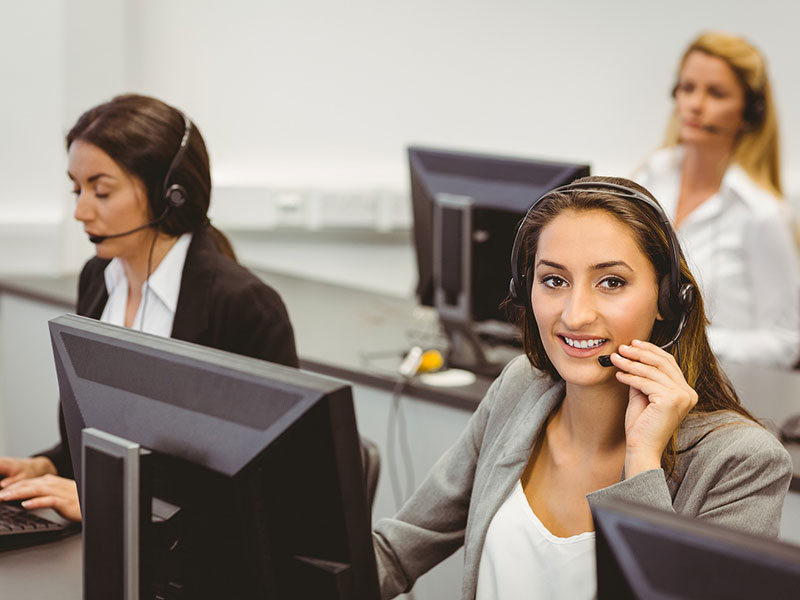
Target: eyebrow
93 178
597 267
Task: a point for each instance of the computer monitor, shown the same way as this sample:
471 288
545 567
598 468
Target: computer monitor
253 468
466 209
645 553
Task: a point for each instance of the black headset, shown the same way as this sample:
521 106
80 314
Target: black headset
675 299
174 196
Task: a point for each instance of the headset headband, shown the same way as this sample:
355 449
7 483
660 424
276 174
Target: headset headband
616 190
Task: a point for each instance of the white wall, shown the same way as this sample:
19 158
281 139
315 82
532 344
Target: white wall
316 95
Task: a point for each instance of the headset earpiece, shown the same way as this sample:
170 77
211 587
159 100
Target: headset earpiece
665 300
175 196
755 108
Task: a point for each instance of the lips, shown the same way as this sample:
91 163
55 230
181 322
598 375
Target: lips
582 346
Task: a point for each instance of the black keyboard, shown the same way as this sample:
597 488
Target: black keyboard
20 527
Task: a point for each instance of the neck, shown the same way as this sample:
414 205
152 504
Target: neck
592 419
704 167
136 266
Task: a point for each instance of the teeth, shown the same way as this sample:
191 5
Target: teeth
584 343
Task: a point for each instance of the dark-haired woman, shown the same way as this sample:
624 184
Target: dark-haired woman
558 430
718 178
142 183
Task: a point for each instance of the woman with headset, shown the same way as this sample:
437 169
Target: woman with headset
718 178
618 395
142 184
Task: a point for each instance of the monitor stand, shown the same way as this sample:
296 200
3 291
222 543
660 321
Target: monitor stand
467 351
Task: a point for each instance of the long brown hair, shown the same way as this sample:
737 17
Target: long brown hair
142 135
696 360
757 149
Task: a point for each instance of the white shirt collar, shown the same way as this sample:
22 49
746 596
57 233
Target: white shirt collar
164 282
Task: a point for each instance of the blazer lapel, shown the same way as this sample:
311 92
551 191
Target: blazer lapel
192 316
514 443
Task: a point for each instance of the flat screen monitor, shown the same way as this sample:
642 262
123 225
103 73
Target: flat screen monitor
645 553
466 209
253 486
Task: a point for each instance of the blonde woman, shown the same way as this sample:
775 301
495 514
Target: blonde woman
718 179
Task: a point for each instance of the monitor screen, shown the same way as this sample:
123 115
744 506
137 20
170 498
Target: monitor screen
643 552
258 463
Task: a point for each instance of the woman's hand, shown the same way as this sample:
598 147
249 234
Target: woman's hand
47 491
658 401
17 469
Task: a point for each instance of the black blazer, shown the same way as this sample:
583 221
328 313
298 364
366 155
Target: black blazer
220 305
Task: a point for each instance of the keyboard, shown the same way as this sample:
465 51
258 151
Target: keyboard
19 527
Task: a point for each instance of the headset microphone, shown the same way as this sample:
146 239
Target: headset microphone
605 360
718 130
99 239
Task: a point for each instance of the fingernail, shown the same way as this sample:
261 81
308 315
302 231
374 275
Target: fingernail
624 346
25 503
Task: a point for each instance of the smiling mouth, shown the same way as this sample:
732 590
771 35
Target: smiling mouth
588 344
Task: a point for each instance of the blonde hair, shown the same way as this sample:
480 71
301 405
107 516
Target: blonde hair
757 150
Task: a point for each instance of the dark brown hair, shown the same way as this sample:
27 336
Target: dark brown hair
142 135
697 362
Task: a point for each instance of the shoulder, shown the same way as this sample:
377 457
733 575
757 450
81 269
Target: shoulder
738 186
234 286
517 389
728 438
663 162
520 377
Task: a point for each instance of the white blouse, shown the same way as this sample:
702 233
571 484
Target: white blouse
522 559
162 289
739 247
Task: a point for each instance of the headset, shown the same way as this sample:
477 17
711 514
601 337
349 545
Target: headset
172 196
675 298
755 107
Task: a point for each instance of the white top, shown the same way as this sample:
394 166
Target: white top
522 559
739 247
162 289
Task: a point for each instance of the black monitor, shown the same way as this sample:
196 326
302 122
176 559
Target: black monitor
247 474
466 209
645 553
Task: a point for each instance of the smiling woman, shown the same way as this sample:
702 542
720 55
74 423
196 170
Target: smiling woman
597 272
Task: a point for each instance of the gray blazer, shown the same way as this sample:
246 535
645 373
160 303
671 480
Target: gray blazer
735 475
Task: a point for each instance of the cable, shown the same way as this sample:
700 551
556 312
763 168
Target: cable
146 291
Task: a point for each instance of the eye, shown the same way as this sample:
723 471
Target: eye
612 283
553 281
101 196
686 87
717 93
76 191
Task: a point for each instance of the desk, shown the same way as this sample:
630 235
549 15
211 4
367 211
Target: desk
43 572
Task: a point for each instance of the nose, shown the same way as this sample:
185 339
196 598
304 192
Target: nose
84 210
579 310
694 100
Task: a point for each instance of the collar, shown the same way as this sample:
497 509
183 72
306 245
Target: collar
164 282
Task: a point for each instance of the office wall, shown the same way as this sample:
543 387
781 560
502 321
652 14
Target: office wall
311 102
